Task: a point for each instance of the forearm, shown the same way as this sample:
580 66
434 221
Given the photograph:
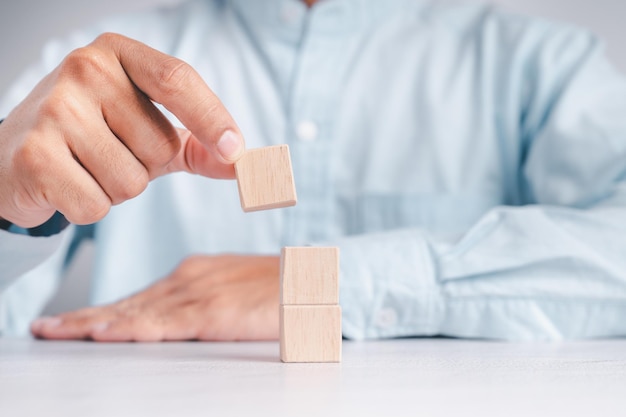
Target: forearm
532 272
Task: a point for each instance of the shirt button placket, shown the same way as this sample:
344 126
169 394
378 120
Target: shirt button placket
313 105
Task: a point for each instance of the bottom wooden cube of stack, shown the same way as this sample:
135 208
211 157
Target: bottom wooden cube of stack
310 333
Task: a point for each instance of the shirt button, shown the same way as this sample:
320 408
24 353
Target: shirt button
307 131
386 317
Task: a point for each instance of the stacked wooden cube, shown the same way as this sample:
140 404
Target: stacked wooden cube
310 315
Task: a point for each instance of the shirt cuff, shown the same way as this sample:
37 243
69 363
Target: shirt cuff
21 253
388 286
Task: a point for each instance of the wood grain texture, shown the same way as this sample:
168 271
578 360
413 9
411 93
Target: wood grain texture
310 333
309 275
265 179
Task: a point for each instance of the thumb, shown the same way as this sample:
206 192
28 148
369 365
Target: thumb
195 158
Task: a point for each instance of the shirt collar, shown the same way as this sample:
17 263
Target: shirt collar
326 17
288 19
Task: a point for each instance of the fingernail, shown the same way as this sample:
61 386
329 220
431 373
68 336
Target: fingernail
49 322
100 327
230 146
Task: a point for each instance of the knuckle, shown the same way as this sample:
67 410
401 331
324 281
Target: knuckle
97 210
31 159
92 211
192 264
85 63
51 108
62 104
210 111
108 38
173 75
131 186
164 152
128 308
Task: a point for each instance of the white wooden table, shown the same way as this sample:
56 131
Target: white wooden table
412 377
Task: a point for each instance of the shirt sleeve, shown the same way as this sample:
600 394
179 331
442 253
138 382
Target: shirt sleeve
20 253
36 268
553 267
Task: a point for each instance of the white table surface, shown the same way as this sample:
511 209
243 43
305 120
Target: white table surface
412 377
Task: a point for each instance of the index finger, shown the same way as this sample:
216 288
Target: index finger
177 86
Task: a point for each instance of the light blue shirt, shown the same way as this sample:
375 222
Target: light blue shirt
470 164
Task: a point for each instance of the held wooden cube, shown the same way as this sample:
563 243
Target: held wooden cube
265 179
309 275
310 333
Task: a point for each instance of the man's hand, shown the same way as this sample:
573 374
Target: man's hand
89 136
223 298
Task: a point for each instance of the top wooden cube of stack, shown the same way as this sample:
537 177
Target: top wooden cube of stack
309 275
265 179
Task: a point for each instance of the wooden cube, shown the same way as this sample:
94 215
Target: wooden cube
265 179
310 333
309 275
